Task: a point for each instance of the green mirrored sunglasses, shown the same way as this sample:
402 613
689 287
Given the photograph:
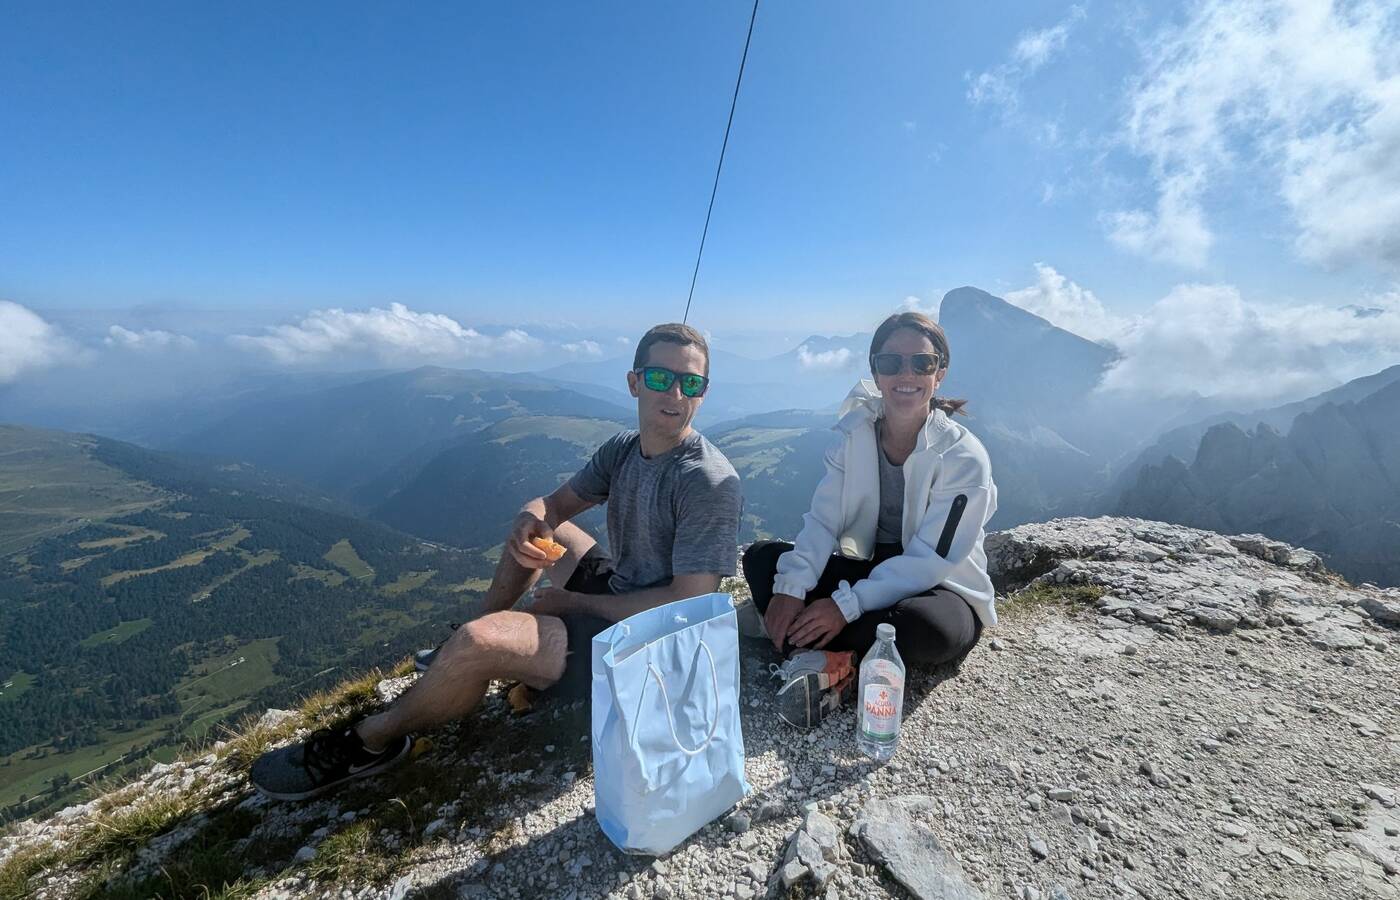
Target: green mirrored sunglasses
657 378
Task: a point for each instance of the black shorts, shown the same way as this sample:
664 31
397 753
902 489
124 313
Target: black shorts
593 576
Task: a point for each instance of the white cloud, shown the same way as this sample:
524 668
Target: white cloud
583 349
1207 339
1000 86
826 360
1063 303
916 304
396 334
146 339
1306 91
27 342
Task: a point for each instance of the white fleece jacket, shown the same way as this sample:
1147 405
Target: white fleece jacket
948 498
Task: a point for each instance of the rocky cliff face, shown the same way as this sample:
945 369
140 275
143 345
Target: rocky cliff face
1162 712
1331 484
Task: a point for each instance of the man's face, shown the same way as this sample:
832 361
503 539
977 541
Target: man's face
668 413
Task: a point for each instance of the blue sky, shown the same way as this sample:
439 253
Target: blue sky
193 170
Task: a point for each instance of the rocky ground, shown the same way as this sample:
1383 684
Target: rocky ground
1164 712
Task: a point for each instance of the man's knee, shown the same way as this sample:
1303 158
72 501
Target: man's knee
479 640
506 644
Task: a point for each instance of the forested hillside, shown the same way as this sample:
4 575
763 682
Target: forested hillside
146 630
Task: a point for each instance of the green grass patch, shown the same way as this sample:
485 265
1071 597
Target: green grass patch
1039 597
50 483
31 777
77 562
229 677
11 686
342 555
218 688
250 561
325 576
193 558
408 581
476 585
377 624
227 541
232 539
587 433
116 635
130 534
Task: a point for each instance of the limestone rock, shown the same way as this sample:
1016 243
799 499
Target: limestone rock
910 852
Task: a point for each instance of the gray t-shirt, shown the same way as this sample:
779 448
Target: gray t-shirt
673 514
890 529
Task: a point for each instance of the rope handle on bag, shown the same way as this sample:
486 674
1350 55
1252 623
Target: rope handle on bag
666 699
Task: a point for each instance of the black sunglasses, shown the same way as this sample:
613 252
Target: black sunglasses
657 378
893 363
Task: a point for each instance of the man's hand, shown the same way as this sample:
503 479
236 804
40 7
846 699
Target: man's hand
816 625
782 610
528 525
552 601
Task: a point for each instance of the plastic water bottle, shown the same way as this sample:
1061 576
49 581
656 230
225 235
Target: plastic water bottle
880 702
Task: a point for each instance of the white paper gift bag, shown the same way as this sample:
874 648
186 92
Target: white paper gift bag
668 749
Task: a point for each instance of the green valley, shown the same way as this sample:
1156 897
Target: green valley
136 626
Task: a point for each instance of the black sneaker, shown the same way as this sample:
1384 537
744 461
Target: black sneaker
322 761
424 658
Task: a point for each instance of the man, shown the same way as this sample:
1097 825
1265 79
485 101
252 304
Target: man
673 520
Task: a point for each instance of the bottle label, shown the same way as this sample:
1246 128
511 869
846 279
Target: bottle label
881 714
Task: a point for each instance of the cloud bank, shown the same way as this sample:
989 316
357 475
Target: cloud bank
1208 339
583 349
1062 302
826 360
28 343
397 334
1305 91
147 339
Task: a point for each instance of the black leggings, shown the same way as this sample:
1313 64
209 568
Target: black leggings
933 628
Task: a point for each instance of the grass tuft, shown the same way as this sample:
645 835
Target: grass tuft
352 856
23 865
123 831
1037 598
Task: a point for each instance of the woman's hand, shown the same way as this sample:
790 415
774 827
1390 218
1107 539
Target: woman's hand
782 609
816 625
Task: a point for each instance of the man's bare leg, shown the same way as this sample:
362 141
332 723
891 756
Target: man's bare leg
512 580
502 645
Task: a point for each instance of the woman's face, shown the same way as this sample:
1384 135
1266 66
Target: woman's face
907 395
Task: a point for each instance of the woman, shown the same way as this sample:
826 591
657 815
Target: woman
905 500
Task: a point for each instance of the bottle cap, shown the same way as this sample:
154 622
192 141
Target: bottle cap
884 631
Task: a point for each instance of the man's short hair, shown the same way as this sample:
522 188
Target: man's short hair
671 333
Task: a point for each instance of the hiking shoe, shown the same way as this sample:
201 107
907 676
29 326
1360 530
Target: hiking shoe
815 685
325 759
424 658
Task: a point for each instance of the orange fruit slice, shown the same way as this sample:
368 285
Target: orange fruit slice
555 551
